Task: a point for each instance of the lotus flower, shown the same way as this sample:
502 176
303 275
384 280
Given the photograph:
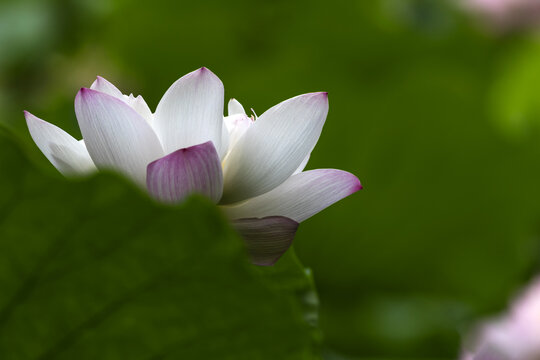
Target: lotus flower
513 336
252 168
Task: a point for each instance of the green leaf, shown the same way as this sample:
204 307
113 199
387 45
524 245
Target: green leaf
93 269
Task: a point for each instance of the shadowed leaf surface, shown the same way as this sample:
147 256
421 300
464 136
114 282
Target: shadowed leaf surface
93 269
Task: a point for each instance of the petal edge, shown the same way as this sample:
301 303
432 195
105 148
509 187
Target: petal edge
299 197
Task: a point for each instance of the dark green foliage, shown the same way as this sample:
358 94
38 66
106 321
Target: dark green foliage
93 269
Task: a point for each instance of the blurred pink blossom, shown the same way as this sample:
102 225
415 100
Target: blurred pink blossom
507 14
513 336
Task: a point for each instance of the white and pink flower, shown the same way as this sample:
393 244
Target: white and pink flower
253 169
513 336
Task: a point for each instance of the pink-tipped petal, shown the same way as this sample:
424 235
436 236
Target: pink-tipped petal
116 136
137 103
103 85
191 112
274 146
266 239
68 155
299 197
196 169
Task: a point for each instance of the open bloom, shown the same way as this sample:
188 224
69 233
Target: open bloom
513 336
252 168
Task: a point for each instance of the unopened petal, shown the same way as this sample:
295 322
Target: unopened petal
234 107
196 169
274 146
140 106
300 197
191 112
266 239
116 136
68 155
237 126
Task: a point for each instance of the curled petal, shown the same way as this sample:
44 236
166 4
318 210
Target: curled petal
299 197
116 136
274 146
267 238
68 155
196 169
191 112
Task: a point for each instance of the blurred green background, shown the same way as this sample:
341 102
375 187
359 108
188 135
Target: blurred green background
437 117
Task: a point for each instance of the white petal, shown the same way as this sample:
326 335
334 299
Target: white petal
191 112
274 146
68 155
234 107
237 126
300 197
116 136
103 85
224 141
140 106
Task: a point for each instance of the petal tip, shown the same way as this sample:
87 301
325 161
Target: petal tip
82 95
323 95
100 81
83 91
320 97
30 117
203 71
87 94
356 185
202 74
